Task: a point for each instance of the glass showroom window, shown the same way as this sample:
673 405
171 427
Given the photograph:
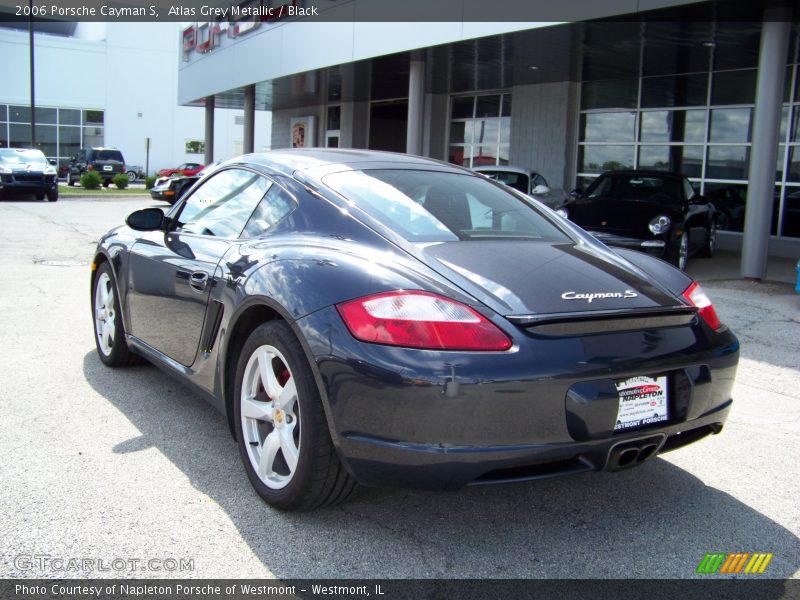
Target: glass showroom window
480 130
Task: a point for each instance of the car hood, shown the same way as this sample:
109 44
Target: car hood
516 277
610 214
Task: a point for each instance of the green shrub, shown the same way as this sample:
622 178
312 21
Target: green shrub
149 182
121 181
91 180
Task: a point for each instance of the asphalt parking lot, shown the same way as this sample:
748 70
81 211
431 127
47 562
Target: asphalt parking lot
105 464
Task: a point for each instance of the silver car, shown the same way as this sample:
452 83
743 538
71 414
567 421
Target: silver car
526 181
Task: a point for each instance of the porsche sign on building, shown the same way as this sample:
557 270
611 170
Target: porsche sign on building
708 89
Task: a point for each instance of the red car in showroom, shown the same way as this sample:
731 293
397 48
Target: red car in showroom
186 169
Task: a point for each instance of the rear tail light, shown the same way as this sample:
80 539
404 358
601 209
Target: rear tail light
416 319
695 296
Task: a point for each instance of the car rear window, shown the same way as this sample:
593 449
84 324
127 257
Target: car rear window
437 206
107 155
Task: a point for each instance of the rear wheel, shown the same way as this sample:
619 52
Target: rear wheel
106 183
70 180
280 424
40 196
108 327
131 176
711 241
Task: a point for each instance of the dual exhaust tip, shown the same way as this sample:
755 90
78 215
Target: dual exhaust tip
630 454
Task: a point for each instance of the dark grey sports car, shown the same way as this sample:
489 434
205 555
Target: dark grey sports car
387 319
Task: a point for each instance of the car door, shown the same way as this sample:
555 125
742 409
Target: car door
171 273
696 210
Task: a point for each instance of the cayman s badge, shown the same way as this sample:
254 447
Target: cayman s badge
589 296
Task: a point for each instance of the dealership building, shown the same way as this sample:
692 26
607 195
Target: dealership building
107 84
709 89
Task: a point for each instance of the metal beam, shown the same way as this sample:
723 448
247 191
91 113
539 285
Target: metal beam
209 139
249 119
416 103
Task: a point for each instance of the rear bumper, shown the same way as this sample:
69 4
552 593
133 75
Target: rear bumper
547 407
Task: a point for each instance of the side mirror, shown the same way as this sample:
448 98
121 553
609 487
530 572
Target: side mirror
540 189
52 161
146 219
576 192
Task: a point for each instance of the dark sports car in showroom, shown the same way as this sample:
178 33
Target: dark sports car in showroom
387 319
652 211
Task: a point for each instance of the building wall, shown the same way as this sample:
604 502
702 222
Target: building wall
542 118
282 125
130 71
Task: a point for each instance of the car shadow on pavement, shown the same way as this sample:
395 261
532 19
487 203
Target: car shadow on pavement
656 521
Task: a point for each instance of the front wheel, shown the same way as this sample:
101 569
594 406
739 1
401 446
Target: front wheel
680 253
131 176
280 424
52 196
108 327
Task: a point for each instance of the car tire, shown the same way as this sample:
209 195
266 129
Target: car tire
70 180
288 423
52 196
708 249
40 196
112 347
106 183
680 252
132 176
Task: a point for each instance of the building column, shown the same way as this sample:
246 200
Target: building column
209 140
416 103
775 32
249 119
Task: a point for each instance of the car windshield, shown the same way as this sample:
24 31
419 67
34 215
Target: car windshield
636 188
108 155
518 181
426 206
22 157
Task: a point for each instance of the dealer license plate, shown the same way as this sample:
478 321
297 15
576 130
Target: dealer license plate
642 402
108 168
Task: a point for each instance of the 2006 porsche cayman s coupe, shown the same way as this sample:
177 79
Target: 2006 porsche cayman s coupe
388 319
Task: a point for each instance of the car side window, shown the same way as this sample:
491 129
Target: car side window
275 205
688 189
223 204
539 180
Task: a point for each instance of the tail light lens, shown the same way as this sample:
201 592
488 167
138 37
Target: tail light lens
415 319
695 296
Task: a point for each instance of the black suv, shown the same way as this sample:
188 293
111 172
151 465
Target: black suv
107 162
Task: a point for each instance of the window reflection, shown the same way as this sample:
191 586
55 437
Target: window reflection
608 127
728 162
687 160
596 159
673 126
730 125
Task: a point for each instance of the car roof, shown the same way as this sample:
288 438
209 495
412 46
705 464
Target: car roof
318 162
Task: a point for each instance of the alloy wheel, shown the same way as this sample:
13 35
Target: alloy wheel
105 317
683 251
270 417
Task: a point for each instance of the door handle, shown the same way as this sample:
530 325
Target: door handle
199 281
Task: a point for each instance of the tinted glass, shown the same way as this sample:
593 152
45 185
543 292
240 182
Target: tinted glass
434 206
68 116
506 112
46 115
608 127
730 125
3 112
462 108
223 204
274 207
637 188
93 117
19 114
687 160
730 201
791 212
734 87
595 159
334 117
107 155
673 126
488 106
19 136
728 162
611 93
793 174
674 90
